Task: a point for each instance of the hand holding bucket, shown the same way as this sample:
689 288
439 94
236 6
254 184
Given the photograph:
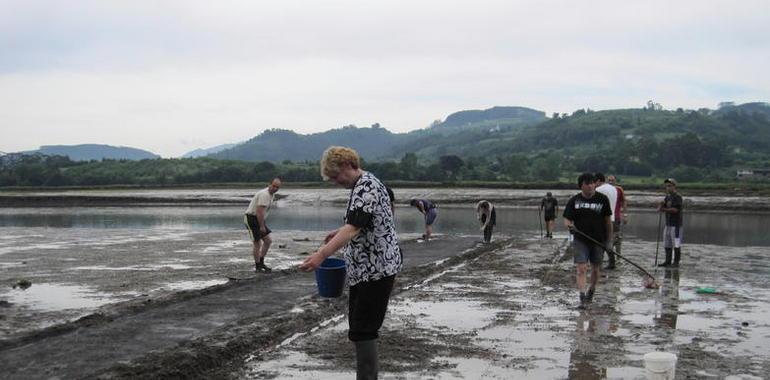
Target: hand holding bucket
329 274
330 277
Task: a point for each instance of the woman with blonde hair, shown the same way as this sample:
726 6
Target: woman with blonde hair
370 246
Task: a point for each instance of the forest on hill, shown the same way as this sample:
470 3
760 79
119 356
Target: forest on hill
502 144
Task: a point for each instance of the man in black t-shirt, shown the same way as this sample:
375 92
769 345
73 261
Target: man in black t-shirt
672 233
550 207
589 212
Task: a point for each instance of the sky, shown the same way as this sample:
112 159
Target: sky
173 76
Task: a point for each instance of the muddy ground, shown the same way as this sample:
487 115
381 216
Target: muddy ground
511 313
505 310
191 333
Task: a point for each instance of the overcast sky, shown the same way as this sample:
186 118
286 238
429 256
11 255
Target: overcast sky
173 76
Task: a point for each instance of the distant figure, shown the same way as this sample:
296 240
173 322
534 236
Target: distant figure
370 246
620 212
589 213
612 194
550 207
672 233
255 217
487 217
428 209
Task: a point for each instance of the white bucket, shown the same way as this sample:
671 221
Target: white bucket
660 365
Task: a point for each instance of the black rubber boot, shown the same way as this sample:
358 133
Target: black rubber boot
677 256
366 360
668 258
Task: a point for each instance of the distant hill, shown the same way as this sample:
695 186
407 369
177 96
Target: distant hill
746 108
279 144
495 113
86 152
376 143
207 151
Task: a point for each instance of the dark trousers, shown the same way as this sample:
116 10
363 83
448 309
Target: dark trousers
367 305
488 233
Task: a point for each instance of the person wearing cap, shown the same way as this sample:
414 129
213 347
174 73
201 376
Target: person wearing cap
550 206
612 194
369 243
587 216
487 217
672 232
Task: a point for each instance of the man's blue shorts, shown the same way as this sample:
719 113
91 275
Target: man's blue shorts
585 252
430 217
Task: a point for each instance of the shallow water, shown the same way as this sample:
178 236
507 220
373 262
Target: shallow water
87 255
30 224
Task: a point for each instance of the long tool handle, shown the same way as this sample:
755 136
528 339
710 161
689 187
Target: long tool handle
657 242
613 252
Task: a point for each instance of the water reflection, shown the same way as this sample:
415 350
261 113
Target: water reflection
58 297
702 227
669 295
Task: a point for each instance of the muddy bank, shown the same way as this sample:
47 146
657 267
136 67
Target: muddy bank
191 333
511 313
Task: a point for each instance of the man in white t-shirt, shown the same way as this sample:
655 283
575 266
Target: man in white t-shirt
612 193
255 218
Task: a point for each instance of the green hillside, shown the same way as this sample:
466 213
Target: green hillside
703 145
377 143
87 152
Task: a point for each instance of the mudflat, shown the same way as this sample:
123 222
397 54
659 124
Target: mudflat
192 333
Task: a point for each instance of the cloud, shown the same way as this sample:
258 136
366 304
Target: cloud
168 75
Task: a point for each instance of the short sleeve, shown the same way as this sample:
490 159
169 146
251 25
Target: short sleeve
363 200
263 199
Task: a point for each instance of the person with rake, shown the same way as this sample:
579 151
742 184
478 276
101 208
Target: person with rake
588 212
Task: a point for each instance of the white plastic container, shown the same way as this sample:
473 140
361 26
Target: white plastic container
660 365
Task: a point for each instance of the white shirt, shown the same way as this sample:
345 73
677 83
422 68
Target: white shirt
261 198
612 193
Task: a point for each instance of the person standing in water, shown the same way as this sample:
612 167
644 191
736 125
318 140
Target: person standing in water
672 233
588 212
370 247
428 209
255 217
487 217
550 206
611 192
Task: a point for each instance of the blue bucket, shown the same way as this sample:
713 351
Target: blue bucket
330 277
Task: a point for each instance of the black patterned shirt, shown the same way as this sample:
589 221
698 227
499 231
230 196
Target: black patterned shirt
373 253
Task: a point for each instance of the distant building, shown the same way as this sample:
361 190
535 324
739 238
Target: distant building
753 174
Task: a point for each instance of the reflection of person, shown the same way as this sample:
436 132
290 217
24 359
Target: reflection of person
370 247
588 211
487 217
255 217
550 207
672 233
581 360
612 194
620 211
669 309
428 209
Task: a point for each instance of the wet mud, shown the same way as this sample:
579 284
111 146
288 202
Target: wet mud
511 313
